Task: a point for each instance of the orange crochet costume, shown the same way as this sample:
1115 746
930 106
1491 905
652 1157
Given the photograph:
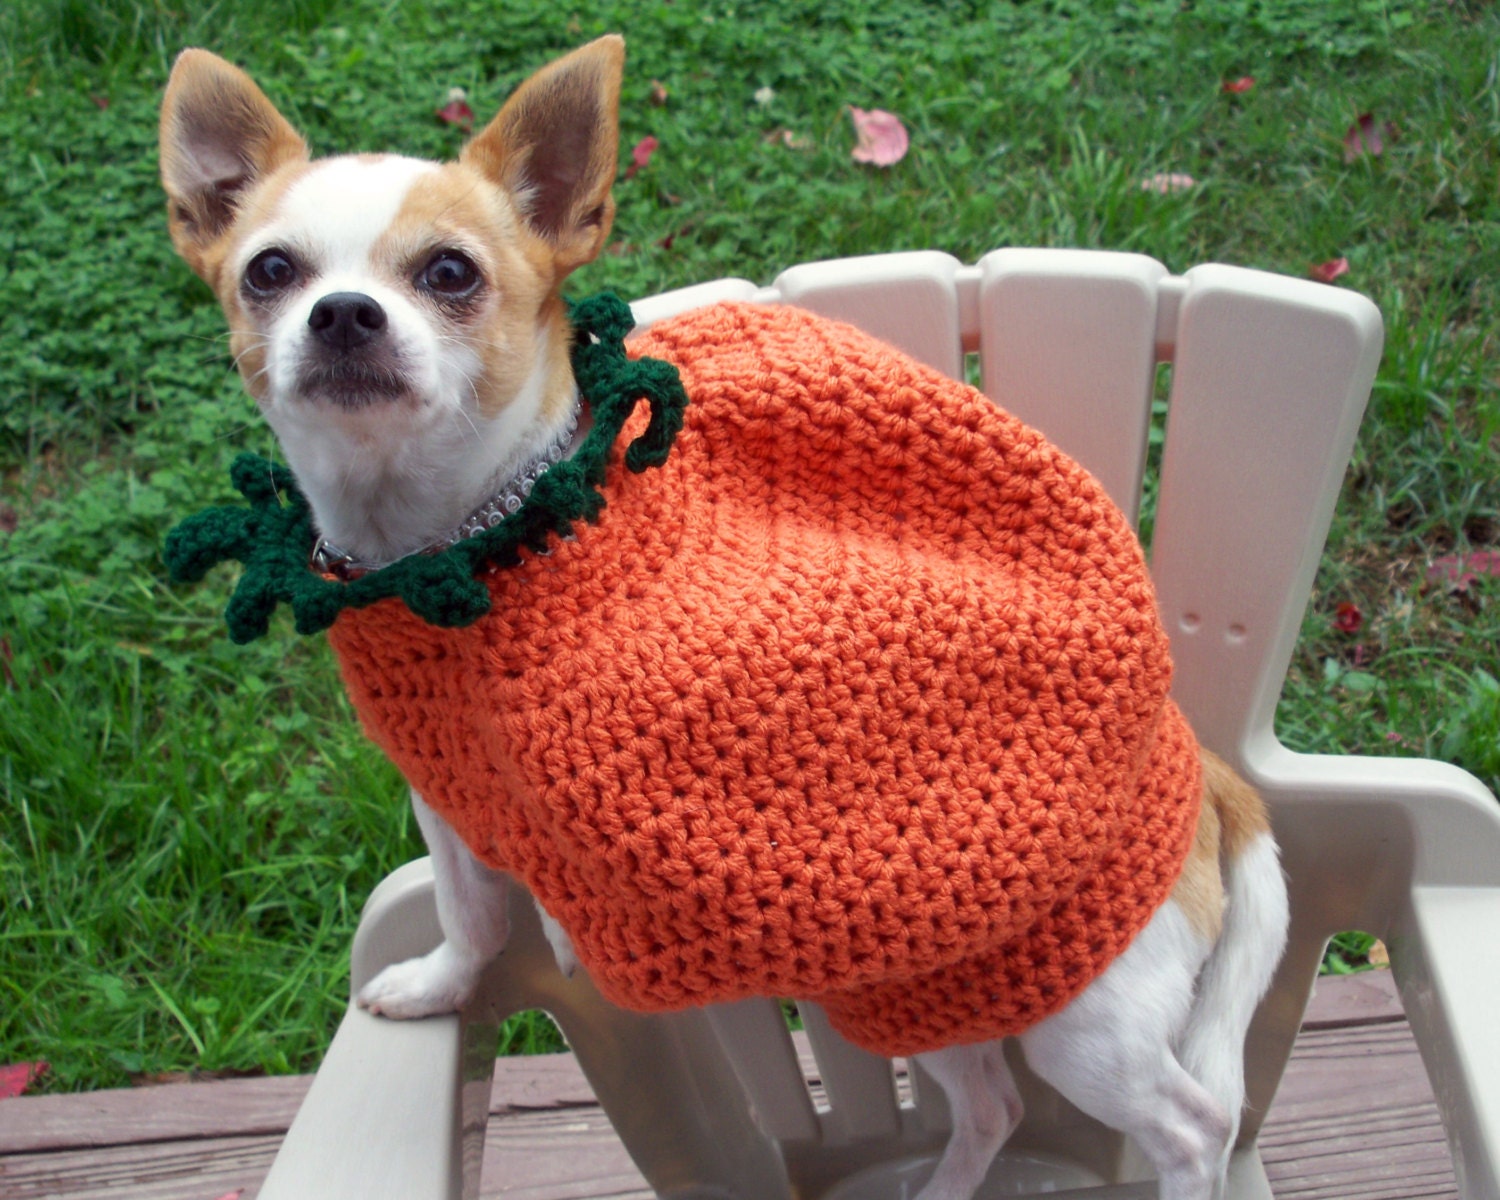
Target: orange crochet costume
862 698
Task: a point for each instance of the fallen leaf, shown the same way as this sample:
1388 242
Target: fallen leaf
1378 955
883 140
1163 183
1366 136
658 94
17 1077
641 154
1235 87
1327 272
764 96
786 138
1347 618
683 230
1461 570
457 111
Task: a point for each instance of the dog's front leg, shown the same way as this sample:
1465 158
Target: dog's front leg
472 904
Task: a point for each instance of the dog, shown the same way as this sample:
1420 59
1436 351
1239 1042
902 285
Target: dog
400 325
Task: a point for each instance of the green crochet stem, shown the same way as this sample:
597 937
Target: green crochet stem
274 537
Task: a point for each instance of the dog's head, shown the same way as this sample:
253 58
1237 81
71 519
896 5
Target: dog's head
397 320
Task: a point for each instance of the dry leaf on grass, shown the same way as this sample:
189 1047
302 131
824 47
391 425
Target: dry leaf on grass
883 140
641 154
1367 136
1327 272
457 111
1164 182
15 1078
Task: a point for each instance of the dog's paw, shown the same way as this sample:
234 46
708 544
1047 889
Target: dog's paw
437 983
562 945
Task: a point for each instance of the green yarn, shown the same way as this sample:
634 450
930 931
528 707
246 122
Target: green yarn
273 538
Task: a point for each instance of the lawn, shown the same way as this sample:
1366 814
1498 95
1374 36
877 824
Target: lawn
189 828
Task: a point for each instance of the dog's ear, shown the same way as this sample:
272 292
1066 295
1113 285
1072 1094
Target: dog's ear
219 136
554 148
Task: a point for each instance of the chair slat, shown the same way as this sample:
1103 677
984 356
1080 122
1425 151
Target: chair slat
1067 343
909 300
1270 382
861 1086
755 1038
649 311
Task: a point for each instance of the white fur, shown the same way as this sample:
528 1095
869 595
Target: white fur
473 904
986 1107
389 479
335 212
384 492
1114 1051
1236 977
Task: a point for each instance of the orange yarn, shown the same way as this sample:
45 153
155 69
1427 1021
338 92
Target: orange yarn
862 698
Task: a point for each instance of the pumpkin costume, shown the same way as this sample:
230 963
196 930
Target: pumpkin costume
861 698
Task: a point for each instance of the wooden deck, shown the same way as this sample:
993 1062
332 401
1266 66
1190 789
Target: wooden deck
1355 1120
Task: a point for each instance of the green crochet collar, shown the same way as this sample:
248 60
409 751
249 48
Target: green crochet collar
274 537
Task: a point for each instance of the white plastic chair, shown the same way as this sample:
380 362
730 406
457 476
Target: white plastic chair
1270 378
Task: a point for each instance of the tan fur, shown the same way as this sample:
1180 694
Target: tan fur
457 206
1242 813
206 183
526 140
1232 816
1200 888
256 208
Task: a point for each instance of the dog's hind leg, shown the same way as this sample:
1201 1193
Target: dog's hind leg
1110 1053
472 909
986 1107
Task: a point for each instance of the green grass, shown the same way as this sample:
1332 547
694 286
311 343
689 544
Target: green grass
188 828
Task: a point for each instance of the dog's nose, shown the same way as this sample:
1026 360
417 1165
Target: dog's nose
346 320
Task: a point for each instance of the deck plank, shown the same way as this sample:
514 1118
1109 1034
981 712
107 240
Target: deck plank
201 1169
170 1112
1354 1120
1355 1117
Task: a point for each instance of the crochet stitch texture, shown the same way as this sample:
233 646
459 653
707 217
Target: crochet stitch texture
860 698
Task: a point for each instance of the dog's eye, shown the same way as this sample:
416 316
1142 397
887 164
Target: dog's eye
269 272
449 274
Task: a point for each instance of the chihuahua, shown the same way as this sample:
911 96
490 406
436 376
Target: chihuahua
400 325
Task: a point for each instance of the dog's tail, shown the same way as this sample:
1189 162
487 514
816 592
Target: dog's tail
1239 970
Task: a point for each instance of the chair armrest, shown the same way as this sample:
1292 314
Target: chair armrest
384 1117
397 1108
1442 951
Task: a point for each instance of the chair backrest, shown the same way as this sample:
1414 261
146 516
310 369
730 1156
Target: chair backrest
1270 377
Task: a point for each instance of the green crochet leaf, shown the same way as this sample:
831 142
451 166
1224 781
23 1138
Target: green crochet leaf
273 538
